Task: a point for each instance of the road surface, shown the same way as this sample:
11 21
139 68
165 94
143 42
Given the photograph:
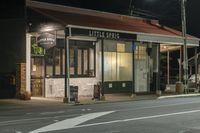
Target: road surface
174 115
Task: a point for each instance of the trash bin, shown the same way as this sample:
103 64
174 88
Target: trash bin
97 91
74 93
179 87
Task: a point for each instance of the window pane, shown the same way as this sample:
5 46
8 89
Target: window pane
71 59
85 60
118 64
49 62
91 71
37 66
120 47
57 61
124 66
79 62
140 52
82 56
110 66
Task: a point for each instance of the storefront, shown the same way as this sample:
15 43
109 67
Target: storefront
119 52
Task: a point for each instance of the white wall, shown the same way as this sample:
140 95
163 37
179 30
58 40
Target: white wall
28 63
55 87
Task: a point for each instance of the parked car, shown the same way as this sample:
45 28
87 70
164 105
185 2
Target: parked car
191 80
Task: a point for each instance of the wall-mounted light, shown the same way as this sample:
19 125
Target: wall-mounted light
49 26
46 28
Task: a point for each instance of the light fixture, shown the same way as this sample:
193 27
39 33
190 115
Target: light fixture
46 28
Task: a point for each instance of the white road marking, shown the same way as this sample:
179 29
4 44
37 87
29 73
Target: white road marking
70 123
3 123
115 131
177 96
139 118
18 132
49 113
29 113
158 106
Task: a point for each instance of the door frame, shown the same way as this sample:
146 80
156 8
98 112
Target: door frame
42 77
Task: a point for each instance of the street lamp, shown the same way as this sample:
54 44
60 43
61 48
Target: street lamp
185 56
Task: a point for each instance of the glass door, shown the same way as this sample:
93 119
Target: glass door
37 76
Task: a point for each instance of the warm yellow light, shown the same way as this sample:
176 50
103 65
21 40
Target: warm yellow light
34 68
120 47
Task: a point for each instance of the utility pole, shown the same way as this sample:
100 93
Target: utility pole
131 8
185 55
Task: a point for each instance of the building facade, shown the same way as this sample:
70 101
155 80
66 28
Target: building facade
77 47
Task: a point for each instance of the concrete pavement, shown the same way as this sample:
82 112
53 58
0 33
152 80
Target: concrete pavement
172 115
110 98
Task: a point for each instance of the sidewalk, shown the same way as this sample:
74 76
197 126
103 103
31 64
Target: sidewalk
41 102
178 95
108 98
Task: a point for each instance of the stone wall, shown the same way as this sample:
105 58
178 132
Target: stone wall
55 87
20 78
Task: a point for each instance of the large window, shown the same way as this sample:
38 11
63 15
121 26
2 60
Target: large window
117 61
82 58
54 62
140 52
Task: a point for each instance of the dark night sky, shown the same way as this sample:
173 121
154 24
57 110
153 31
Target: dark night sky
167 11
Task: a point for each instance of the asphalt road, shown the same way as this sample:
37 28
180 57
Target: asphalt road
175 115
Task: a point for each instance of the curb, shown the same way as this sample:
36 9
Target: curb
46 99
114 101
178 96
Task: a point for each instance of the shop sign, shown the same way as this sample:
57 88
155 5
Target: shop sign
104 34
100 34
46 40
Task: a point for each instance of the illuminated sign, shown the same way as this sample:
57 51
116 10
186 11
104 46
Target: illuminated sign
100 34
104 34
46 40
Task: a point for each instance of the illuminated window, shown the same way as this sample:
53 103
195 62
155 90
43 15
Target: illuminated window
117 61
120 47
140 52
